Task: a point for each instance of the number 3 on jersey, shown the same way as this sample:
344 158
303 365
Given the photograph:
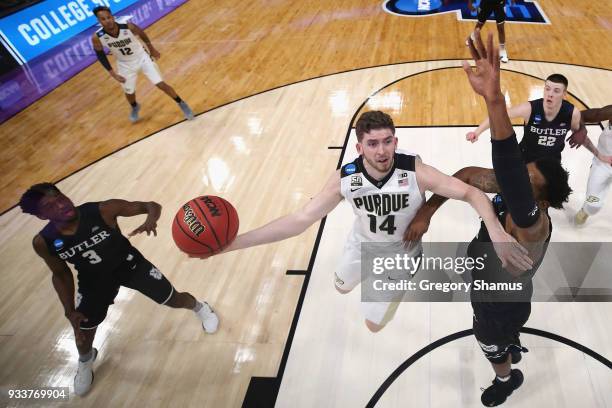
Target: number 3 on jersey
92 256
387 225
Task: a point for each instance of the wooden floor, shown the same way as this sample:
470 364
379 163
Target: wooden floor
268 154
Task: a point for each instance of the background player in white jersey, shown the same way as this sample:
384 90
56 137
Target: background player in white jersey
600 176
382 171
131 57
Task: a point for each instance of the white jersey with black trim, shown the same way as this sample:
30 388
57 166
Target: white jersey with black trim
383 208
125 46
604 145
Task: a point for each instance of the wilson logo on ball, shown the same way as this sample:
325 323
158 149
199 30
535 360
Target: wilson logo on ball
212 207
204 226
191 221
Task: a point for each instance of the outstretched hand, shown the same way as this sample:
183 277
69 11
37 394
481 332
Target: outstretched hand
484 77
510 252
149 226
577 138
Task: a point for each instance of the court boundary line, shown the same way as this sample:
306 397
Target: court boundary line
465 333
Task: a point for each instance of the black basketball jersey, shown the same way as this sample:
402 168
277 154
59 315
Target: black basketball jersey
542 138
492 271
95 249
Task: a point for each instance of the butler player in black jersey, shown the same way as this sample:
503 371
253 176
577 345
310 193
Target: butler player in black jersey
89 238
525 192
548 121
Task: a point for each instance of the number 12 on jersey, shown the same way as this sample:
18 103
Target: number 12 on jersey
387 225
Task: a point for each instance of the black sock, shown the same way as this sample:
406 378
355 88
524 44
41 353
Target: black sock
134 104
178 99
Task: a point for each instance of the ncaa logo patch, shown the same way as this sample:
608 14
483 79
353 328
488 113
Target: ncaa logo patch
58 244
350 168
537 119
523 11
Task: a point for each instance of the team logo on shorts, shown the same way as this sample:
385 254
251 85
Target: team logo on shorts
58 244
523 11
489 349
350 168
592 199
155 273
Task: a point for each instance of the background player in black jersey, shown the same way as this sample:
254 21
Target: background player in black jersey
131 59
547 122
485 8
527 190
88 236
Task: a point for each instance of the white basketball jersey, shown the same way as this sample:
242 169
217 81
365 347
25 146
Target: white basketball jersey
383 208
605 140
125 46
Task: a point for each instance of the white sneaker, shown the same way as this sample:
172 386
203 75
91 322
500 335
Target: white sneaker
84 376
503 55
581 217
209 319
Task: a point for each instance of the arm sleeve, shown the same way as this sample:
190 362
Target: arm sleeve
103 60
513 180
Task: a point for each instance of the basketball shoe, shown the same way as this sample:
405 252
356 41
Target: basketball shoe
503 55
209 318
499 391
84 376
134 113
186 110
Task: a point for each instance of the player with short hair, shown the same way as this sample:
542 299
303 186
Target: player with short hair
600 176
525 191
547 123
485 8
385 187
132 57
89 238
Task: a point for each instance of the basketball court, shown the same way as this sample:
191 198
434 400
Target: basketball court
277 87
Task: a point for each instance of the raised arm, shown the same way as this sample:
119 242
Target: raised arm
112 209
296 223
63 283
529 225
519 111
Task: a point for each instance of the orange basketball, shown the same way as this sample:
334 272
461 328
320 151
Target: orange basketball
205 226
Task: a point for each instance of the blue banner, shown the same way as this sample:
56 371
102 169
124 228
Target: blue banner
35 30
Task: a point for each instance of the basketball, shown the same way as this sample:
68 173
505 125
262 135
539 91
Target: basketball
205 226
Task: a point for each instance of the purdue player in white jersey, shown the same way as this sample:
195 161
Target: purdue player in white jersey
600 176
132 57
386 195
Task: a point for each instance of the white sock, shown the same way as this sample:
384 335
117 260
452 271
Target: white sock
197 306
504 379
502 46
86 357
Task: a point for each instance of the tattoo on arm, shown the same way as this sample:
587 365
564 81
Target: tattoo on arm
486 182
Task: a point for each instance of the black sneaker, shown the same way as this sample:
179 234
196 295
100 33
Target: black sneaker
497 393
516 356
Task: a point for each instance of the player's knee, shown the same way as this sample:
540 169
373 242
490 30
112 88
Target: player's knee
373 327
